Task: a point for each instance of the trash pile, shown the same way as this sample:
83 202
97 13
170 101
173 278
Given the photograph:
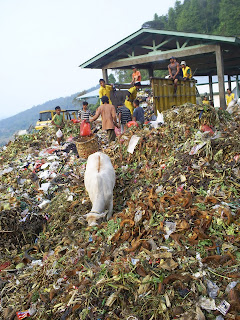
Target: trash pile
171 250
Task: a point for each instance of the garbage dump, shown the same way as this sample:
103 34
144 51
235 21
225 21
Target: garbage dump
171 249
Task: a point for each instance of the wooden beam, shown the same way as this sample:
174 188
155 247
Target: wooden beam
210 87
165 55
220 74
105 75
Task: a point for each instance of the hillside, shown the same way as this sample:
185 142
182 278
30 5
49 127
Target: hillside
25 118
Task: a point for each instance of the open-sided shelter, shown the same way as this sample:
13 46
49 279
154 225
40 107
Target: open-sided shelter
151 49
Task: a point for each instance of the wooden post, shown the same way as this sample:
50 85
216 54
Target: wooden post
229 83
150 72
210 88
237 88
220 74
105 75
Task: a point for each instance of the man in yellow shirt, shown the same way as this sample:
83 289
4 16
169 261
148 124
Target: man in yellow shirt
187 72
105 90
131 96
229 96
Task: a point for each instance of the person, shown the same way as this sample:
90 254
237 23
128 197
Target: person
138 113
109 118
206 101
105 90
174 69
229 96
84 114
132 95
187 72
124 115
58 122
136 75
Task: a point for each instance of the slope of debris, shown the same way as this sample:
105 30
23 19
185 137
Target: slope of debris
171 250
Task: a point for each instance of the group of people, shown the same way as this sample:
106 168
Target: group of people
130 109
229 97
178 72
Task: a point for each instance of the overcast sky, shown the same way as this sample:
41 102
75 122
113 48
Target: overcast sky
44 41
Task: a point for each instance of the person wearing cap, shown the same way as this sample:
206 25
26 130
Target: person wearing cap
174 72
136 75
105 90
229 96
131 96
187 72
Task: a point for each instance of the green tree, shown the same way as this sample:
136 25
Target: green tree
200 16
111 78
229 17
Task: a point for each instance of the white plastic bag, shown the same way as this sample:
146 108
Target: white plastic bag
59 133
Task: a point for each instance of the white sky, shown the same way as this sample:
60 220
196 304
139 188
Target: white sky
44 41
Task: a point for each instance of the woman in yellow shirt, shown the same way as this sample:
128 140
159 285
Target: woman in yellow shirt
229 96
104 90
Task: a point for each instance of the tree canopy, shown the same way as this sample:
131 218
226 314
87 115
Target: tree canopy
200 16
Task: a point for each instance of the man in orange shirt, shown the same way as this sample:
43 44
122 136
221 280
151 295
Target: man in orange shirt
136 75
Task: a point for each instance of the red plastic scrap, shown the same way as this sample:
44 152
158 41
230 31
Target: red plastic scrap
5 265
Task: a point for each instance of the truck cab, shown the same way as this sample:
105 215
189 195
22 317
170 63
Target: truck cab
45 117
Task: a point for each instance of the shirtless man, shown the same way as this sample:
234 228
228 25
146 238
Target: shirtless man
174 72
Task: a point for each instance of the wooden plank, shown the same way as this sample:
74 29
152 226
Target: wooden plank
220 74
165 55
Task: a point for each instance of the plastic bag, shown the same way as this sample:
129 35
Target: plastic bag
75 120
117 131
132 123
59 133
85 129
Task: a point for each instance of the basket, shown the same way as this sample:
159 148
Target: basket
86 146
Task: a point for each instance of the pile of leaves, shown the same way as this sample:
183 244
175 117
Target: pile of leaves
171 249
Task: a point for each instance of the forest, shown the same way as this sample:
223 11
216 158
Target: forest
219 17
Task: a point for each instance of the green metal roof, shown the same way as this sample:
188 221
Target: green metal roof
143 42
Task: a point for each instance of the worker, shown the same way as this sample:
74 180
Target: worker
187 72
206 101
131 96
138 113
84 114
109 118
105 90
124 115
174 70
136 75
58 122
229 96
